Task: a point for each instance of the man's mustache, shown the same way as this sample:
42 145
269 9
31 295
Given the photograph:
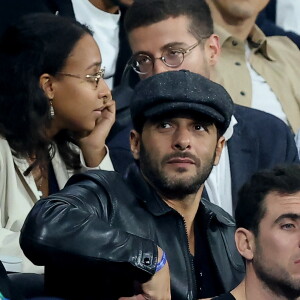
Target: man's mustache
181 155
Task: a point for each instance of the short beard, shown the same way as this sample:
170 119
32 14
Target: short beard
277 280
172 188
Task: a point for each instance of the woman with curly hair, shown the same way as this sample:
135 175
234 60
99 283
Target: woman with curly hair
55 114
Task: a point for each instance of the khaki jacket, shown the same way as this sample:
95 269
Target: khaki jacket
276 59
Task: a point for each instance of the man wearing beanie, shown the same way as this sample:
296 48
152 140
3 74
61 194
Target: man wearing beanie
106 235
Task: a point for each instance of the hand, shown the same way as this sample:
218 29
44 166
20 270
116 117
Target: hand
92 144
157 288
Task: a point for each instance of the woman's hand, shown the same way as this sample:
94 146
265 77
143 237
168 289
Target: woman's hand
92 144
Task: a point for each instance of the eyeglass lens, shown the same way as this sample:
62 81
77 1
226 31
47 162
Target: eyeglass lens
94 79
143 63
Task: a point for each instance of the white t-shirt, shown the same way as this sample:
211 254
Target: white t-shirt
263 98
106 33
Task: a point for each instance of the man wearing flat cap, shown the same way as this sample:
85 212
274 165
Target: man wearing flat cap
106 235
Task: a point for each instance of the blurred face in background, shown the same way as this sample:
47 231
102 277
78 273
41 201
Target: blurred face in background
168 37
233 10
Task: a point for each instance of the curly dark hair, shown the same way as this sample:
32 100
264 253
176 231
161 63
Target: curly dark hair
37 44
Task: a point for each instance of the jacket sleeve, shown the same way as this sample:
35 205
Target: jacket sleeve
106 163
75 225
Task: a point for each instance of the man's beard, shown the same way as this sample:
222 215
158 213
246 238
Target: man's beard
275 278
174 188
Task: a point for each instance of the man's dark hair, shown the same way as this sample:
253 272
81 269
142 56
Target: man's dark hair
250 209
148 12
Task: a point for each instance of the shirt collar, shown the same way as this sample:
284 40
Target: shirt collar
229 131
257 40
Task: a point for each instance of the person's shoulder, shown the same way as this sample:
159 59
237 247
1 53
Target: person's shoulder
257 119
103 177
4 146
282 44
106 182
241 111
282 41
3 140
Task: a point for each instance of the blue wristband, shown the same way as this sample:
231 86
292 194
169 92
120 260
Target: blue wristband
162 262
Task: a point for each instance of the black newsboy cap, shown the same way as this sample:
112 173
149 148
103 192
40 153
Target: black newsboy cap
180 91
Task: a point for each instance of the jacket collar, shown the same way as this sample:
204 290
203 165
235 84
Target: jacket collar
144 192
257 41
155 205
243 149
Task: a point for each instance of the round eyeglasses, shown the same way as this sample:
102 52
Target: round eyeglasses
93 79
172 57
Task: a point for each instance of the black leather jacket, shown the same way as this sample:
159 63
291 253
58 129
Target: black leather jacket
97 236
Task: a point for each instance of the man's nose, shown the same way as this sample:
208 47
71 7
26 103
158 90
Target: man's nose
159 66
182 139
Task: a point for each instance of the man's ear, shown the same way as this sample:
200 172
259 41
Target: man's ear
212 49
219 148
135 143
46 83
245 242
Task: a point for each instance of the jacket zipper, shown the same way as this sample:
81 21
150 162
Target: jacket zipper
188 257
209 244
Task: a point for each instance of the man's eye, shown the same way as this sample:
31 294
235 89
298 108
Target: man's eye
143 60
288 226
165 125
175 52
199 127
